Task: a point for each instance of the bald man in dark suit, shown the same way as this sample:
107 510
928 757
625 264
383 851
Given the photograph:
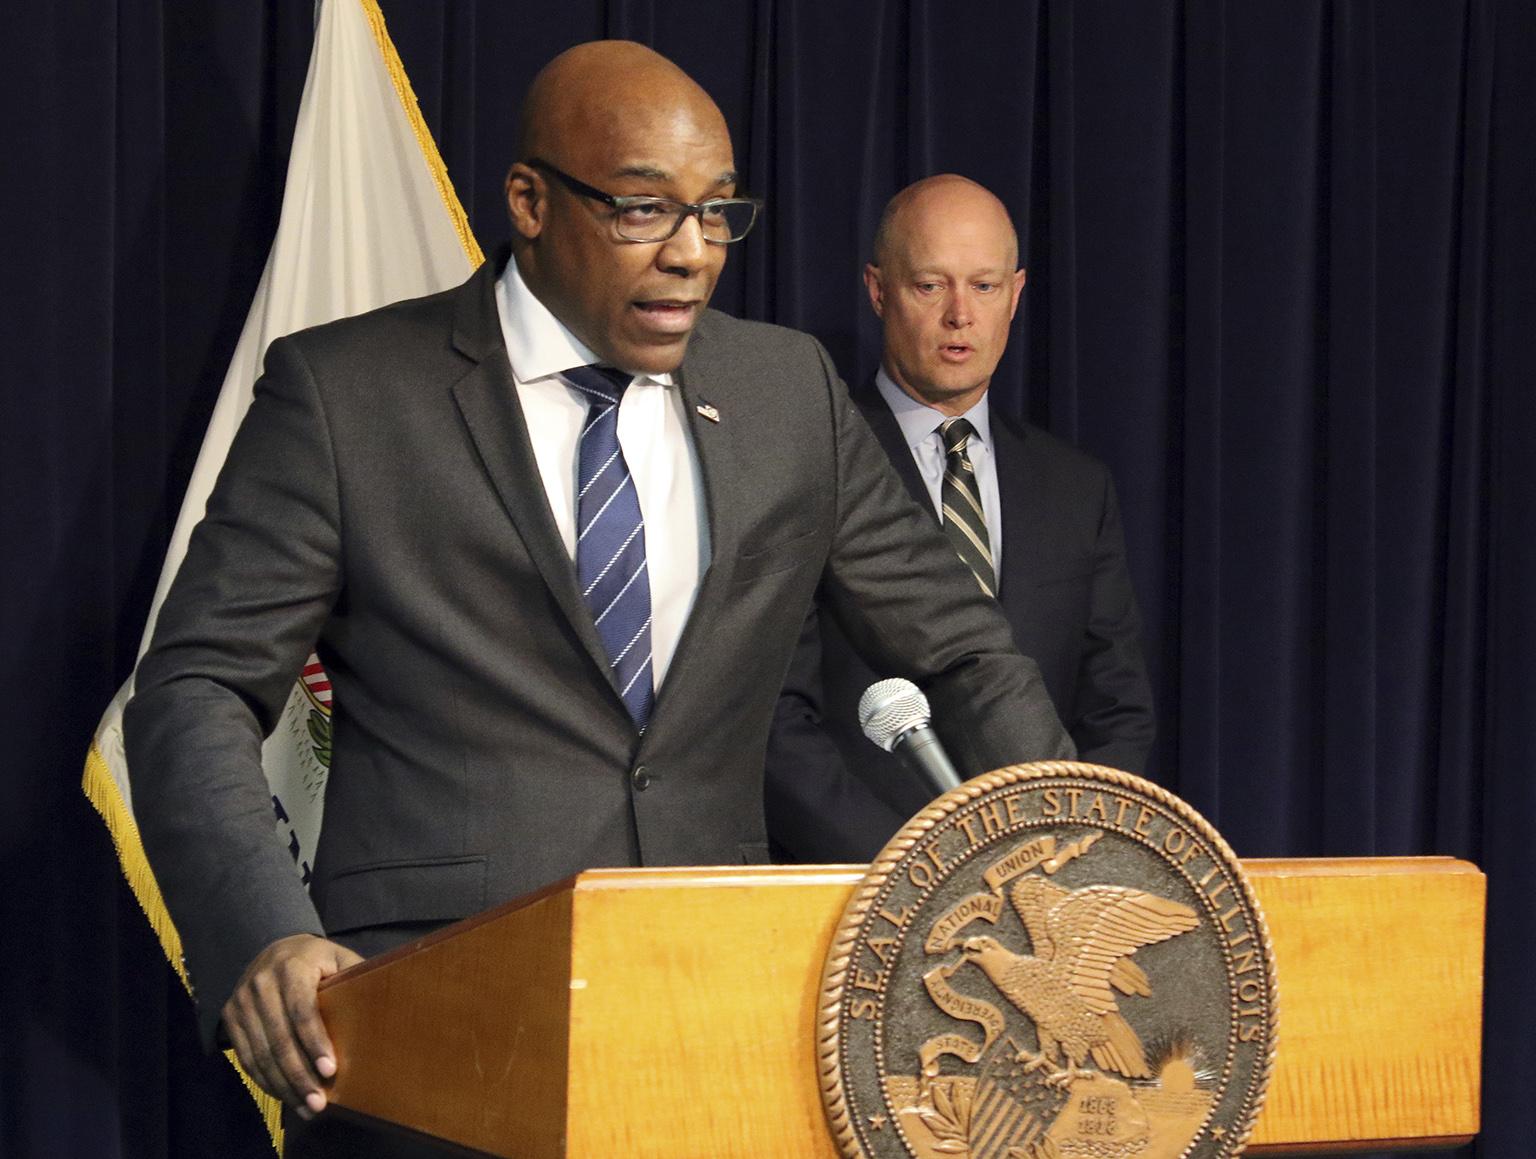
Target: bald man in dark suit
1035 520
415 494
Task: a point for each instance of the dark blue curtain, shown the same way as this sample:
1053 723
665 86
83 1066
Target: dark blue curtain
1279 278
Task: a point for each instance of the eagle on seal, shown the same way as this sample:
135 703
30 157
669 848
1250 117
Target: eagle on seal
1082 941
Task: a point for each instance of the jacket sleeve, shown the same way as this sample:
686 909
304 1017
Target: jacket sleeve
911 608
260 576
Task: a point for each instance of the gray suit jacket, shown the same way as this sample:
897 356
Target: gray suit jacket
382 498
1066 591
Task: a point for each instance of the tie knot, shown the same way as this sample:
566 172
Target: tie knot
601 383
956 433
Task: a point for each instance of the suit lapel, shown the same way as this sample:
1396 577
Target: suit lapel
487 398
708 381
888 431
1022 514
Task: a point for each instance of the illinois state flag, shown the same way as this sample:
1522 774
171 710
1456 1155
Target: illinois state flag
368 217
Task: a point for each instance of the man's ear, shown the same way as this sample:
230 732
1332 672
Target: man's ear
876 290
1018 291
527 200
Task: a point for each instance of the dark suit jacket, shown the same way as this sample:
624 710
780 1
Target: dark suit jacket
834 796
382 498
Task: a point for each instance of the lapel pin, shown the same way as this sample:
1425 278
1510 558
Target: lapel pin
706 410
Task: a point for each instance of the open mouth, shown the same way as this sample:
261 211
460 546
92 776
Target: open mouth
955 351
668 315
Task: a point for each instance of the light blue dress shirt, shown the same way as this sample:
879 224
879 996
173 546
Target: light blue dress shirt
920 428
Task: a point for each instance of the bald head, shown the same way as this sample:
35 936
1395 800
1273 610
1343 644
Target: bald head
603 85
945 282
944 195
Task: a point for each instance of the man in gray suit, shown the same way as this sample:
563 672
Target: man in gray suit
556 602
1035 519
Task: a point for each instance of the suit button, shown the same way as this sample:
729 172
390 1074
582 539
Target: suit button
640 778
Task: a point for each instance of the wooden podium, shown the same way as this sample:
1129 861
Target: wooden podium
670 1013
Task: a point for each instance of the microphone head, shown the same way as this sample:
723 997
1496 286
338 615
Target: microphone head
889 709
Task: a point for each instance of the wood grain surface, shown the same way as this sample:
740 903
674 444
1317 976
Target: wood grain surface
669 1013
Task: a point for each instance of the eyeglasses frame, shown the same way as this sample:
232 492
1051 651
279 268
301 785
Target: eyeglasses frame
618 203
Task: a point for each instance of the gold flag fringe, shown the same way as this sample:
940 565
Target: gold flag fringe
102 792
428 146
100 789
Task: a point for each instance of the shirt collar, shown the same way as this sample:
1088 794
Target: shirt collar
539 345
919 422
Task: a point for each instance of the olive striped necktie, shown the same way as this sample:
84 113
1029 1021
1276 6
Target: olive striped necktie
960 497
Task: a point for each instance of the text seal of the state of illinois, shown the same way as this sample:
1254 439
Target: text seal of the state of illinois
1052 961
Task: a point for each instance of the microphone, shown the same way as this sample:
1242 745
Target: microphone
894 715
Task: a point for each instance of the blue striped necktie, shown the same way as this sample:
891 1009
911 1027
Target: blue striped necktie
610 540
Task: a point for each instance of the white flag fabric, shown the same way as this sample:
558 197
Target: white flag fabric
368 217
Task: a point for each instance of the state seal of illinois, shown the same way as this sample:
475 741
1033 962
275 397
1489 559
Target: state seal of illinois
1052 961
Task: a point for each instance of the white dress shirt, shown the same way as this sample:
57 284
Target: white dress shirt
653 434
920 428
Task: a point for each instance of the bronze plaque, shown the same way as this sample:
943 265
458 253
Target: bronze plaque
1052 961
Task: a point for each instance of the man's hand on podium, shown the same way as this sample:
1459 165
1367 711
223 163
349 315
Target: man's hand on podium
274 1021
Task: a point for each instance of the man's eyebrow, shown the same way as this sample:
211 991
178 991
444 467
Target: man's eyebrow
652 173
645 172
997 272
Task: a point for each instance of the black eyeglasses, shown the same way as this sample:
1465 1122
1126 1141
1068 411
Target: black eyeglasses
722 220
